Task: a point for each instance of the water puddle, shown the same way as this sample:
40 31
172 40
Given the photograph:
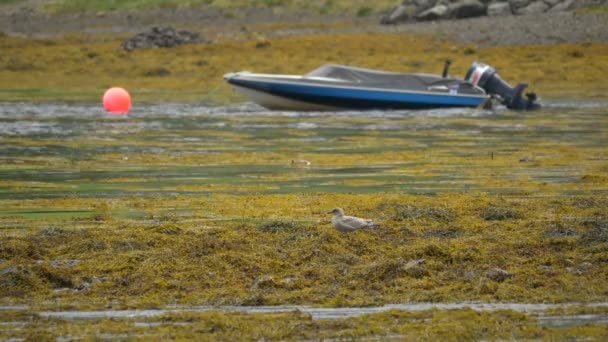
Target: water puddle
573 320
338 313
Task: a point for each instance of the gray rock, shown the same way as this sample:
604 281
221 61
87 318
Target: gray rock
467 9
426 10
498 275
400 14
563 6
535 7
162 37
499 9
434 13
515 4
425 4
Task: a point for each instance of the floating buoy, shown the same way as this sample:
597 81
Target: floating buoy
117 100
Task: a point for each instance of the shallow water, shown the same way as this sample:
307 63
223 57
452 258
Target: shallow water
68 152
338 313
57 150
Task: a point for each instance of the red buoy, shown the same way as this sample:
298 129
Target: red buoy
117 100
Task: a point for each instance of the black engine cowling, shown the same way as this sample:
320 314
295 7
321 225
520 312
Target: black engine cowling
487 78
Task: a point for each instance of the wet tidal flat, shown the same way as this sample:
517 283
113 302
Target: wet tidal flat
190 205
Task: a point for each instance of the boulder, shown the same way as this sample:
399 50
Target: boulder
423 5
434 13
499 9
535 7
515 4
467 9
425 10
399 14
563 6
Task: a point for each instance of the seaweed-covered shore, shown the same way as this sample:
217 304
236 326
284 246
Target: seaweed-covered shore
80 67
438 249
180 205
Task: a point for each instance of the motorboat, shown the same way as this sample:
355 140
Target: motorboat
339 87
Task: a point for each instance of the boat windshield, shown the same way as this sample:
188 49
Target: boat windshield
352 74
375 78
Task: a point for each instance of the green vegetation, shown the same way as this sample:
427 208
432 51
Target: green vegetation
596 9
364 11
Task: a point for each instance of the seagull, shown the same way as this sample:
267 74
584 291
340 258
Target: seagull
349 223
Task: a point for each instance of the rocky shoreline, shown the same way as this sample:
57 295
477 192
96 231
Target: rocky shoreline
548 28
508 30
426 10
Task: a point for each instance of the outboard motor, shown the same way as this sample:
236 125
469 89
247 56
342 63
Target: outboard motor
487 78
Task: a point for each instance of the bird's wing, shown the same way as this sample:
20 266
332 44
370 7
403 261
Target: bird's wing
355 222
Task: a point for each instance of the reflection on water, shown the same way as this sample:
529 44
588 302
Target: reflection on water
55 150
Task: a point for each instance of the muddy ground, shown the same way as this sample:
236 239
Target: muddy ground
551 28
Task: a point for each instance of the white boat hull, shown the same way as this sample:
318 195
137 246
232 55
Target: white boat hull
279 103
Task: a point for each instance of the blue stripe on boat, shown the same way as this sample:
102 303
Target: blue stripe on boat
348 97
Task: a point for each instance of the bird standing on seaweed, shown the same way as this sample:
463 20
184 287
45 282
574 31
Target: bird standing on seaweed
346 224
